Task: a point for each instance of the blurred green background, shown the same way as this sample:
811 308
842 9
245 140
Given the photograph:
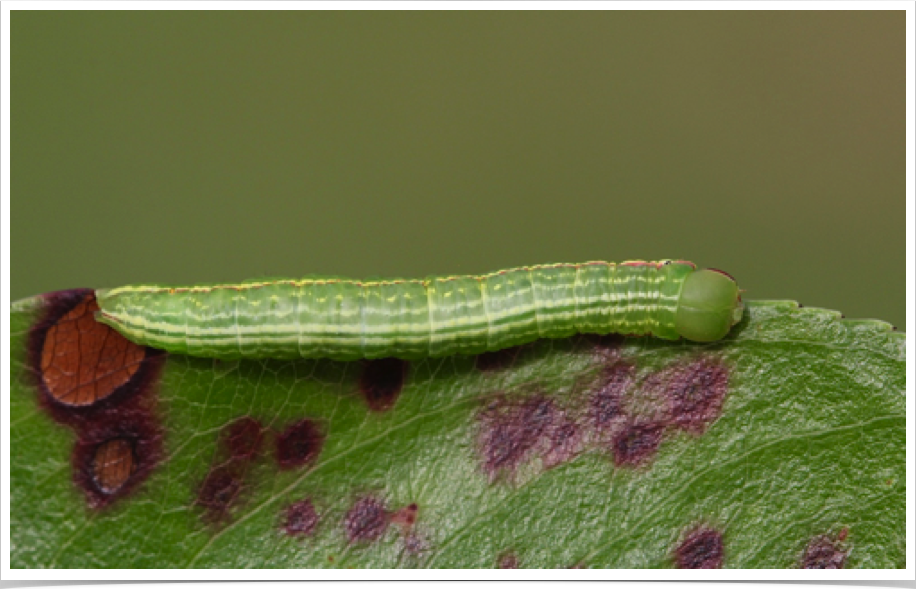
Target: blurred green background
217 146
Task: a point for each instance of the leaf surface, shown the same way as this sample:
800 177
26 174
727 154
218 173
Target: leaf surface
785 441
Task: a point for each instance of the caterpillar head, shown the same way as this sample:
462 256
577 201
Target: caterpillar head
709 306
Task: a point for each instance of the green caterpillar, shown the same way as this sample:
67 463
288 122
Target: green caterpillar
343 319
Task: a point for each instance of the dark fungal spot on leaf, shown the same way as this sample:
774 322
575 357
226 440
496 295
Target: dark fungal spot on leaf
115 455
498 360
220 490
381 382
406 517
636 443
300 518
562 442
701 549
507 436
415 544
696 393
299 444
238 444
606 403
507 560
366 521
824 553
80 364
242 438
95 381
515 430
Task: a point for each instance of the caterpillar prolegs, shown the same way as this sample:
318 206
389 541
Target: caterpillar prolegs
343 319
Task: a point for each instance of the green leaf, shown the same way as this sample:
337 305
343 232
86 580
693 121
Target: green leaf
531 459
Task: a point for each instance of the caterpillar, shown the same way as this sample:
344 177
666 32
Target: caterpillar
344 319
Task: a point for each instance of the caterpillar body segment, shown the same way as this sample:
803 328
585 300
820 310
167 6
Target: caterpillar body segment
343 319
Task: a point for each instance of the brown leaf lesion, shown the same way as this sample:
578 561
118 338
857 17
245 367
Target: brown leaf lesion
300 519
113 464
701 548
825 552
366 521
516 430
82 361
